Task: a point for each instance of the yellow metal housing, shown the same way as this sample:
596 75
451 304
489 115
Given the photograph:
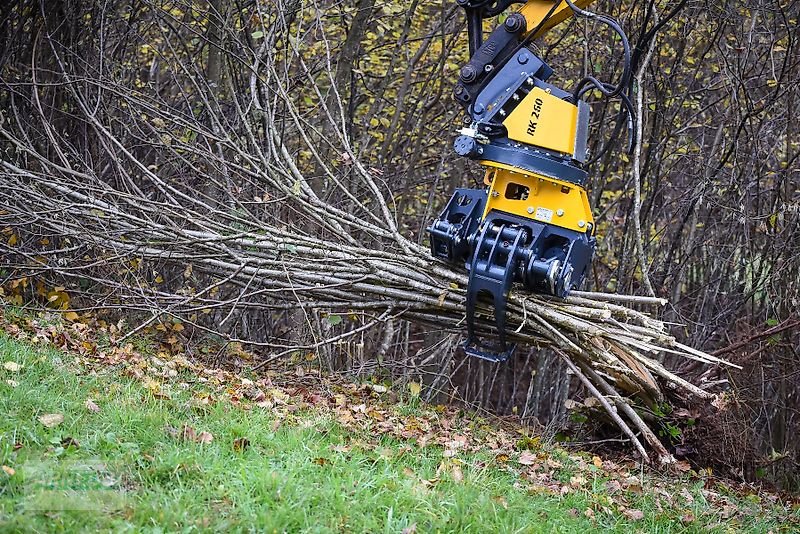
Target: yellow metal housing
544 120
535 10
536 197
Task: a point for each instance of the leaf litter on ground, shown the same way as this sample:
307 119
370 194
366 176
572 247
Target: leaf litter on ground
370 409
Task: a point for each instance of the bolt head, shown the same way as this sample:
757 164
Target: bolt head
530 209
468 73
581 224
560 213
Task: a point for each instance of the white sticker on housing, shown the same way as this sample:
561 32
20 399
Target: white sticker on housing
543 214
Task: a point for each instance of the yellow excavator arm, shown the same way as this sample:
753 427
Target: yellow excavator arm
535 11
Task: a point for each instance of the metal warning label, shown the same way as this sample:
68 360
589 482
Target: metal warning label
543 214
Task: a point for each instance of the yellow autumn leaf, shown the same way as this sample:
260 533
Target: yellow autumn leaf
415 388
71 316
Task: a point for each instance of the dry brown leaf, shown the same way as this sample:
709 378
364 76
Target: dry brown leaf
91 406
577 481
205 437
241 444
499 499
632 513
188 433
683 466
51 420
9 470
458 475
527 458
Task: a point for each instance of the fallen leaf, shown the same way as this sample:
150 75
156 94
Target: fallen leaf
553 464
415 389
241 444
499 499
683 466
527 458
91 406
410 529
12 367
577 481
70 443
598 463
321 461
340 448
377 388
204 437
9 470
613 486
458 475
188 433
632 513
51 420
71 316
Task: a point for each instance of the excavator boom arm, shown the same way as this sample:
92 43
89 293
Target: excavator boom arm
535 11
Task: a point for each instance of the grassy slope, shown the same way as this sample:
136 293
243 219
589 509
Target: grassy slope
140 464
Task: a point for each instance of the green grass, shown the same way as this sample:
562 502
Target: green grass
304 472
